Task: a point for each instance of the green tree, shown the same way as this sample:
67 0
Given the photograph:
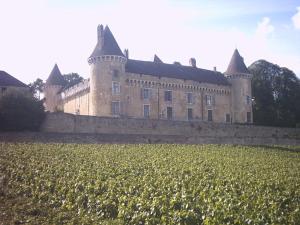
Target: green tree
20 111
276 93
72 79
37 87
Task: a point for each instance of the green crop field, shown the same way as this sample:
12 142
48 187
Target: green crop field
148 184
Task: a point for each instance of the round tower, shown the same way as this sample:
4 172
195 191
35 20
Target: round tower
54 84
241 95
107 65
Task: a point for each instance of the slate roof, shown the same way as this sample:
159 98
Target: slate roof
106 44
55 77
8 80
175 71
236 64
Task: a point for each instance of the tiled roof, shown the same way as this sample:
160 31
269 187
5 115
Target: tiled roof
175 71
8 80
236 64
106 44
55 77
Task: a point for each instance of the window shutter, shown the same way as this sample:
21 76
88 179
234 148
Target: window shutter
206 99
213 100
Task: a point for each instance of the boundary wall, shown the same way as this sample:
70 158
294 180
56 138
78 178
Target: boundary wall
129 130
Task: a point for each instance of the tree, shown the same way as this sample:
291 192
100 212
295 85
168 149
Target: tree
37 87
20 111
276 93
72 79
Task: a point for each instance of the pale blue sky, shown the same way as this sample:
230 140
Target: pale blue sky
35 34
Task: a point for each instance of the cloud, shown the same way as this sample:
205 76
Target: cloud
296 19
264 27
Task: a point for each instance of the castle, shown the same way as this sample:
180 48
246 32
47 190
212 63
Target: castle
122 87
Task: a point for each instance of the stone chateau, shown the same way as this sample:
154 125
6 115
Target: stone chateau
122 87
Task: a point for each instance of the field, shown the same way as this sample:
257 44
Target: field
148 184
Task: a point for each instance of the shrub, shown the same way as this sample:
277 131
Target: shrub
20 111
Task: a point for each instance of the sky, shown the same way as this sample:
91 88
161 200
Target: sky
36 34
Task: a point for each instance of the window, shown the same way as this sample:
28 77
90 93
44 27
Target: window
115 75
209 100
169 113
146 93
168 96
190 114
115 88
146 111
227 118
248 117
248 100
190 98
115 108
209 115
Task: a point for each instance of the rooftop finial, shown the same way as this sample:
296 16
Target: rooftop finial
100 31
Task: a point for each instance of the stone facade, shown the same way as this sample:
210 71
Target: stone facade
125 88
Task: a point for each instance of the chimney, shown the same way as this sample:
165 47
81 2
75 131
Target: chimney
100 32
215 68
126 53
193 62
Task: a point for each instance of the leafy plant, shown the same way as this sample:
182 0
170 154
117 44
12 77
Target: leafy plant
149 184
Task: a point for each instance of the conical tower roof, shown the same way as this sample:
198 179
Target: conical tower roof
55 77
236 65
107 44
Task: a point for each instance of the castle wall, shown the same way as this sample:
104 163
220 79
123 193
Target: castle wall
78 104
142 130
134 101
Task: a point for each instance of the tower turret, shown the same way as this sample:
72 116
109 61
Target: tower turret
241 96
107 65
54 84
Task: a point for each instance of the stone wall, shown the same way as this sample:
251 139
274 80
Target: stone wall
173 131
